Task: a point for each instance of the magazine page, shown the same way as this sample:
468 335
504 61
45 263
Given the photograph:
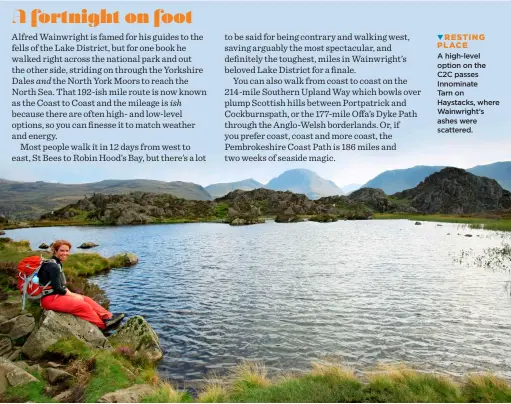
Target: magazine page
255 201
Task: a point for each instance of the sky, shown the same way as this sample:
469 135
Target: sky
418 142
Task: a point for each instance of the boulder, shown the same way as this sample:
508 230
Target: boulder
44 246
133 394
18 327
56 375
2 233
55 326
137 334
12 375
5 346
10 308
88 244
14 355
373 197
64 397
127 259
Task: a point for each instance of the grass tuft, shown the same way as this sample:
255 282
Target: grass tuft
248 375
213 393
486 389
167 394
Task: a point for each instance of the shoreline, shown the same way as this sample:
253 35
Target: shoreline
488 222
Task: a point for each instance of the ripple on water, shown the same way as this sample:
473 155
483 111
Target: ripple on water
364 292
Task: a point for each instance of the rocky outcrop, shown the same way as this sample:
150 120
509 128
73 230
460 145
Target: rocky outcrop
87 245
137 335
287 218
456 191
125 259
55 326
133 394
324 218
373 198
135 208
18 327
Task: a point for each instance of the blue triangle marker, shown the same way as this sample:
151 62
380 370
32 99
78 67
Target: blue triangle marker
440 36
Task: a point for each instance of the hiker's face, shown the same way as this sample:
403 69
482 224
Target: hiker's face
62 253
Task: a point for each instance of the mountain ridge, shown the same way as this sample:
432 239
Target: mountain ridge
22 200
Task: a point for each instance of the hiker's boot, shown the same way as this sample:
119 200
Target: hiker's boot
116 319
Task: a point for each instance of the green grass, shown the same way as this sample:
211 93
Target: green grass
165 393
221 210
111 371
337 384
476 222
31 392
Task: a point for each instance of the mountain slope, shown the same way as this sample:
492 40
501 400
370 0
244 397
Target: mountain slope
221 189
393 181
456 191
301 181
500 171
24 200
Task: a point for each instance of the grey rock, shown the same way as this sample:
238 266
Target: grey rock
18 327
11 308
56 375
22 365
15 375
128 259
133 394
14 355
375 198
54 365
88 244
55 326
137 334
5 346
64 397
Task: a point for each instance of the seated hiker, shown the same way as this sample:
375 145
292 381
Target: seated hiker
63 300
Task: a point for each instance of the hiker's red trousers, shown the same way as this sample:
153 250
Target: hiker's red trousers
78 305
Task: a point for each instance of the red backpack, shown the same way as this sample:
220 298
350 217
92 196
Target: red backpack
27 269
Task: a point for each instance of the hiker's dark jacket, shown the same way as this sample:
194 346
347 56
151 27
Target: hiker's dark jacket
52 272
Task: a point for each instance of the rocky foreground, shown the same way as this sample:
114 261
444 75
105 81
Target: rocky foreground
46 355
44 352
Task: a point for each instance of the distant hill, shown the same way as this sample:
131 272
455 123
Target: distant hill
393 181
301 181
221 189
500 172
25 200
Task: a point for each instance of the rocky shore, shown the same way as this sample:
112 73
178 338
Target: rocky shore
51 356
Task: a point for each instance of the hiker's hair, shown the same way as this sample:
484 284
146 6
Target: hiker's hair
59 243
